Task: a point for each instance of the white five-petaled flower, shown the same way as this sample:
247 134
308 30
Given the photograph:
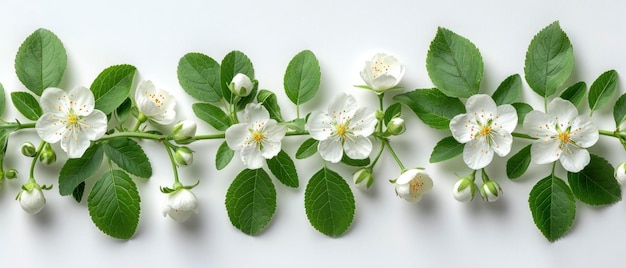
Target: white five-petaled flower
258 137
382 72
562 134
180 205
154 103
344 127
70 117
485 129
412 184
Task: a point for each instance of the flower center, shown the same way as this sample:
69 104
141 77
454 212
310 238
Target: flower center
157 99
484 131
72 119
564 137
380 68
257 136
341 129
415 185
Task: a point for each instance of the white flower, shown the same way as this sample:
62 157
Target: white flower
180 205
484 129
258 137
562 134
71 119
154 103
241 85
382 72
412 184
490 191
32 201
344 127
464 190
620 173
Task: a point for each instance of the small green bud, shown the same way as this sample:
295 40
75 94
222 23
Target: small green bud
490 191
10 174
379 115
28 149
241 85
396 126
48 156
183 156
184 132
363 178
464 190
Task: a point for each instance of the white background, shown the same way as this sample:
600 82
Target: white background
387 231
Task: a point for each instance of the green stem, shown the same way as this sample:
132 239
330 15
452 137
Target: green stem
545 104
17 125
523 136
553 167
484 176
615 133
34 162
473 175
168 148
298 111
141 135
393 153
380 152
381 107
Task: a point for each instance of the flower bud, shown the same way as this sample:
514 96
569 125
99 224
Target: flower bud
28 149
379 115
363 179
464 190
180 205
48 156
490 191
396 126
31 198
10 174
412 184
183 156
241 85
620 173
184 132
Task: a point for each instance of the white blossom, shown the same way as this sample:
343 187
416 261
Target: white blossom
412 184
382 72
180 205
33 200
154 103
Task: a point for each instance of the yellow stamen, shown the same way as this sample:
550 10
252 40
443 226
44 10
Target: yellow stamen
72 119
341 129
257 136
484 131
564 137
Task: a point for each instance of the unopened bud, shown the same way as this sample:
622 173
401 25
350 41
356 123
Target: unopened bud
620 173
464 190
183 156
363 178
10 174
184 132
490 191
48 156
396 126
28 149
241 85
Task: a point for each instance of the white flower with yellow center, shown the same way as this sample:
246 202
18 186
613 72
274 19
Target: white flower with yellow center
154 103
382 72
413 184
70 117
562 135
484 129
257 138
344 127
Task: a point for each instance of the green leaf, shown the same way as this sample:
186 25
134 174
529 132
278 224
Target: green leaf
213 115
302 78
233 63
509 90
129 156
78 192
619 111
123 111
251 201
114 205
307 149
393 111
575 93
447 148
199 76
298 125
549 60
27 105
40 61
77 170
553 207
518 163
4 139
596 184
355 162
224 156
602 90
454 64
2 101
329 203
270 102
112 87
522 109
433 107
284 169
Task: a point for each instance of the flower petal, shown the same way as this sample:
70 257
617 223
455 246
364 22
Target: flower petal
545 151
331 149
562 111
584 132
319 126
252 157
462 130
81 100
477 154
237 135
363 123
506 118
575 159
50 128
270 148
480 103
342 108
273 131
384 81
502 143
74 145
256 114
54 100
357 147
93 126
537 124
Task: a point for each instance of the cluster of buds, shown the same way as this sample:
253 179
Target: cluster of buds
465 189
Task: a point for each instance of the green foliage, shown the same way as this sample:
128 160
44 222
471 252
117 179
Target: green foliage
251 201
393 111
112 87
619 111
518 163
329 203
233 63
355 162
41 61
2 100
575 93
602 90
223 156
129 156
27 105
199 76
553 207
509 90
595 184
213 115
123 112
302 78
114 205
433 107
522 109
77 170
549 60
307 149
454 64
78 192
284 169
445 149
270 102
